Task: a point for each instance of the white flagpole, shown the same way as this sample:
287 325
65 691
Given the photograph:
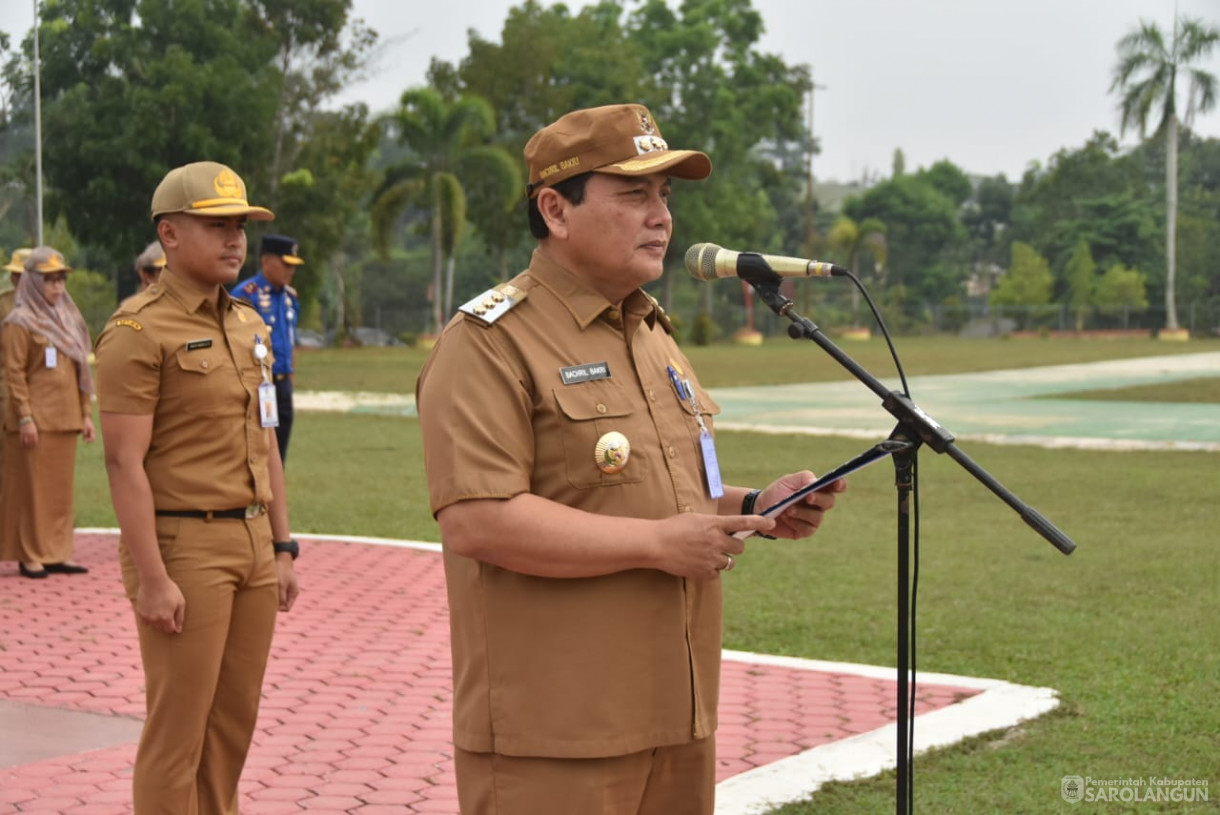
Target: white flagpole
37 125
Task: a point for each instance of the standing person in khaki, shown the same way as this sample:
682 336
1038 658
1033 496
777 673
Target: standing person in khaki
571 466
149 264
50 390
198 489
8 299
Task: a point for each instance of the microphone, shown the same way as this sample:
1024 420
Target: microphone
707 261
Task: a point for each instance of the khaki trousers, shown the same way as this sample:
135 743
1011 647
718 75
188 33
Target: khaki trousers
203 685
678 780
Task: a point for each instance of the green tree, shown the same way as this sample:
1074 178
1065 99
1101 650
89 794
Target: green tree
448 142
1092 193
1121 291
134 87
318 53
1080 274
322 199
851 242
698 70
923 231
1028 281
1148 75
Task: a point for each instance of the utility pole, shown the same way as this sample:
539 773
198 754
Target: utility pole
809 232
37 126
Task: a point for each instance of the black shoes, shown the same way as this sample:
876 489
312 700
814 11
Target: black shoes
37 575
65 568
51 568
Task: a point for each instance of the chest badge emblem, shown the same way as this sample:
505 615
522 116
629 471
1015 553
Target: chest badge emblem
611 453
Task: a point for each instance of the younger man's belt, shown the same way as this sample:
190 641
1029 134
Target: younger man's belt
240 513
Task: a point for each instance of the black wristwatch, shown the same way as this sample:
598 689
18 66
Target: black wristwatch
290 546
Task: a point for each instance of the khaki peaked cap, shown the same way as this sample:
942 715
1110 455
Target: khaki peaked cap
614 139
207 189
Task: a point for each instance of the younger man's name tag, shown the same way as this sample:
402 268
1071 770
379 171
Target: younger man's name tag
268 408
52 356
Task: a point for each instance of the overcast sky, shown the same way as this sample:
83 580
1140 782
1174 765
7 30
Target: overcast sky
992 86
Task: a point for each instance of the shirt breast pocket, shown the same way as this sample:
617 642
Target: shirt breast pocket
588 413
207 384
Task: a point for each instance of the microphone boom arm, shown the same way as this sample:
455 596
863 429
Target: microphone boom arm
754 270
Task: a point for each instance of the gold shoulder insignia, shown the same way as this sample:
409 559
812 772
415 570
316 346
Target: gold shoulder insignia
662 317
493 304
129 323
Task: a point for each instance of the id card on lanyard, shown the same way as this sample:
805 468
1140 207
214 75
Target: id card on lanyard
268 407
707 444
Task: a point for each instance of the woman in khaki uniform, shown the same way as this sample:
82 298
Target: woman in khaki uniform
8 300
198 490
46 359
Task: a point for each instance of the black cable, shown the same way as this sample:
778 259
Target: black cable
914 595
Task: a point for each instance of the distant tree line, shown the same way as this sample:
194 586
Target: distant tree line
404 214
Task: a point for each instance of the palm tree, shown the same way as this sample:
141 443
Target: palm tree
850 240
1147 76
447 141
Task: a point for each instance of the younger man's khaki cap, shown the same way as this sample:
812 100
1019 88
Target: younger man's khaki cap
615 139
207 189
46 260
16 264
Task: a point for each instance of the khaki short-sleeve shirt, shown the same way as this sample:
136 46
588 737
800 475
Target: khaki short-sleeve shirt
193 364
574 667
51 395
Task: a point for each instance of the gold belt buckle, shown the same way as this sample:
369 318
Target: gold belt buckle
253 511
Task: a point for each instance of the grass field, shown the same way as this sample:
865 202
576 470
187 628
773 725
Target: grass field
779 361
1126 628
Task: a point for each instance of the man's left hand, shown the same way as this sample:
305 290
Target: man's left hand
802 518
287 574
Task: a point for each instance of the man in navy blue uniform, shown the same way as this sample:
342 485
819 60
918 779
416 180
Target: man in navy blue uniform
276 300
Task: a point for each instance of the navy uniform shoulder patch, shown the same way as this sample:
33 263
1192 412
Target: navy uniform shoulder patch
250 288
494 303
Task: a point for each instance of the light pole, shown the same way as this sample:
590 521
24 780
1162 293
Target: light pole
37 127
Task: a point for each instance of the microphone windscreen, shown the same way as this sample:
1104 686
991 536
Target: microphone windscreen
701 261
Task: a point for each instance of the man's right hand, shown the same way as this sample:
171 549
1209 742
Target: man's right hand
160 604
699 546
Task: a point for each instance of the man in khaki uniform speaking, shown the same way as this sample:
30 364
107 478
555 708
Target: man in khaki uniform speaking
571 466
198 489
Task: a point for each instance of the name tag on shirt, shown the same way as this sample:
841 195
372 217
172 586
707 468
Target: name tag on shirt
587 372
52 356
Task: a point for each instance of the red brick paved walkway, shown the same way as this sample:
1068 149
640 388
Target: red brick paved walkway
356 706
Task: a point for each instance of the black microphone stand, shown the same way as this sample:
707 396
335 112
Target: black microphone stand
914 428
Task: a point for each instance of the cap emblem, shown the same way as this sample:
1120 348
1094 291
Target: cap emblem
646 125
227 184
649 144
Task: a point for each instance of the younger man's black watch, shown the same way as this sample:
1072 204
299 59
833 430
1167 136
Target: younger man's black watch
290 546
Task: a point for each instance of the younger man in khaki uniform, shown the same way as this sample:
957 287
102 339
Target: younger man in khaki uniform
568 446
198 489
